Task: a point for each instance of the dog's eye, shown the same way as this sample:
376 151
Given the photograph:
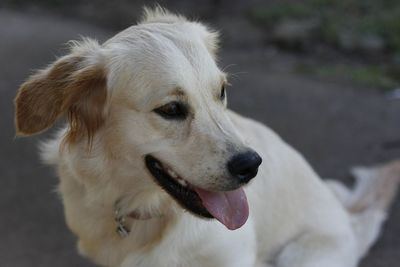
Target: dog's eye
172 111
223 93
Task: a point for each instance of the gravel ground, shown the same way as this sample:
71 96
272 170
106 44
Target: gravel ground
335 125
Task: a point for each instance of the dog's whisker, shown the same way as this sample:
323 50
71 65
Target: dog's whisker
228 66
236 74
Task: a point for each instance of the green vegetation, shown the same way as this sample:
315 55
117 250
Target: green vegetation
367 27
368 75
360 17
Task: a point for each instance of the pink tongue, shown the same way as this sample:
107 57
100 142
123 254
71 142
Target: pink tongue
230 207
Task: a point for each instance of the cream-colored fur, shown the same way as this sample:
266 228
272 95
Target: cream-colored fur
295 219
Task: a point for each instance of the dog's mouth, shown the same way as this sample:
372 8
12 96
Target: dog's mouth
228 207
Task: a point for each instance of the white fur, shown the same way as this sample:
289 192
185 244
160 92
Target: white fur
295 219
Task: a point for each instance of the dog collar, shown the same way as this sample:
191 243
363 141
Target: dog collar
120 219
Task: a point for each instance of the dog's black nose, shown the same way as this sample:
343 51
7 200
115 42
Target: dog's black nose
244 166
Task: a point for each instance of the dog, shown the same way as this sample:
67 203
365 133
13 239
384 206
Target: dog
156 171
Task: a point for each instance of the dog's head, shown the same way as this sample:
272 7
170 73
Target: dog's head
155 95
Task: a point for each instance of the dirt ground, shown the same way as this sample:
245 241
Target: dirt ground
336 125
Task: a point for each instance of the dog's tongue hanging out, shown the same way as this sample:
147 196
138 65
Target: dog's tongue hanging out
230 207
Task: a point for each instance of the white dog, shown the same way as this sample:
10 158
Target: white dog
155 170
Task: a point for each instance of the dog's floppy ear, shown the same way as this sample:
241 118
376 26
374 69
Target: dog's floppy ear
75 85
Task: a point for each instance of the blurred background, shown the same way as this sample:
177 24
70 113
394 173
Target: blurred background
324 74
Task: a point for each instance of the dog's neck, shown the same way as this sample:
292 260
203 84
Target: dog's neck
95 223
89 189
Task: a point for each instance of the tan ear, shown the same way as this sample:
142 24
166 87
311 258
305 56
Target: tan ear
75 84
